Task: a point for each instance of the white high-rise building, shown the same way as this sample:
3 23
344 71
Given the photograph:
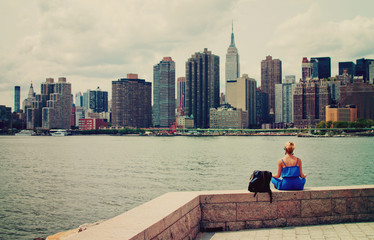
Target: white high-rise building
284 100
232 61
371 72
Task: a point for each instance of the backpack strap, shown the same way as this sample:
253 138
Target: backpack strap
271 196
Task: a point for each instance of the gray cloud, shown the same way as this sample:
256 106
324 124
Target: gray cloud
93 43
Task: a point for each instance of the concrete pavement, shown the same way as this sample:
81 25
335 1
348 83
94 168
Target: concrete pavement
363 230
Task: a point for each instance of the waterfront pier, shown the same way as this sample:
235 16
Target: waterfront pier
184 215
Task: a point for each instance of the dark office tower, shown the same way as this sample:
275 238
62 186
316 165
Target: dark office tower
271 74
164 93
17 98
360 94
306 69
232 61
362 68
262 107
323 66
349 66
181 91
310 100
131 102
202 86
97 100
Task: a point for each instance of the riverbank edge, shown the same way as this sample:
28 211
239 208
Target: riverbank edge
182 215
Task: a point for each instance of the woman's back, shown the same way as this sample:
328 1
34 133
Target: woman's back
290 168
290 171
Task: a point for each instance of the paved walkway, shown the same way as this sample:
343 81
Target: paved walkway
347 231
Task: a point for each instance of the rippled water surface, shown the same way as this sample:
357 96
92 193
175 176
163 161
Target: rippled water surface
53 184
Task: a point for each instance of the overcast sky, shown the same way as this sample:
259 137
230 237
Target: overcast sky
92 43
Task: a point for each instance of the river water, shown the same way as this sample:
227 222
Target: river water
53 184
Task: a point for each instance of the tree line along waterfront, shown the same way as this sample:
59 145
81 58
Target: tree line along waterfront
342 129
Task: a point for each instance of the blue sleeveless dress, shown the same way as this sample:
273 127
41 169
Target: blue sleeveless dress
291 179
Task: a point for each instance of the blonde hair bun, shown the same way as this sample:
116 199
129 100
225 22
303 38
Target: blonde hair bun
289 147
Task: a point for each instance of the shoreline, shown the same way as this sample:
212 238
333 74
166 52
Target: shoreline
305 135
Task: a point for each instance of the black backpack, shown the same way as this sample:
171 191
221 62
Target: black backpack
260 182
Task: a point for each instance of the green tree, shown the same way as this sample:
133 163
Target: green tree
352 125
328 124
321 124
340 124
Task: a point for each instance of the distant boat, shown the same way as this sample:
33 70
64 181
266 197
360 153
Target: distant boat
59 132
26 133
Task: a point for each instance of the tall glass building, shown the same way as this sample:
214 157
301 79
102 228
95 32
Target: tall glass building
362 68
163 110
78 99
17 98
321 67
349 66
96 100
284 100
202 86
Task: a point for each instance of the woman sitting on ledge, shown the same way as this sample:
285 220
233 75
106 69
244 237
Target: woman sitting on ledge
290 167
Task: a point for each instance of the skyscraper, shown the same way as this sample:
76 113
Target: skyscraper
30 97
164 93
52 108
306 69
241 93
323 65
96 100
362 68
181 91
360 94
232 61
271 74
371 72
17 98
202 86
262 107
78 99
58 98
284 100
131 102
349 66
310 101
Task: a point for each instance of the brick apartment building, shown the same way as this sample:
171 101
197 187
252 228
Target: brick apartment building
131 102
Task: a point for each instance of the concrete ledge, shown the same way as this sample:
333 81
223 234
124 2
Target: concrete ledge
183 215
322 205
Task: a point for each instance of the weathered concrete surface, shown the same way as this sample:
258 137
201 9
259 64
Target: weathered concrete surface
348 231
322 205
183 215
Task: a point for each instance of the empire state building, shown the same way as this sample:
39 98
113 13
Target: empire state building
232 61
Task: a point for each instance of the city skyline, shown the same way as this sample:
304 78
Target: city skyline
91 45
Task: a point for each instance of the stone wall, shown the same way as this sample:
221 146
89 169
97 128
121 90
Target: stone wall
183 215
231 212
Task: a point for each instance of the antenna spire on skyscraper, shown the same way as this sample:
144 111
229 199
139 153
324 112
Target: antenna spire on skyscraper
232 44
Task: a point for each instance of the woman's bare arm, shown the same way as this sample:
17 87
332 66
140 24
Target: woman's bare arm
279 170
301 169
